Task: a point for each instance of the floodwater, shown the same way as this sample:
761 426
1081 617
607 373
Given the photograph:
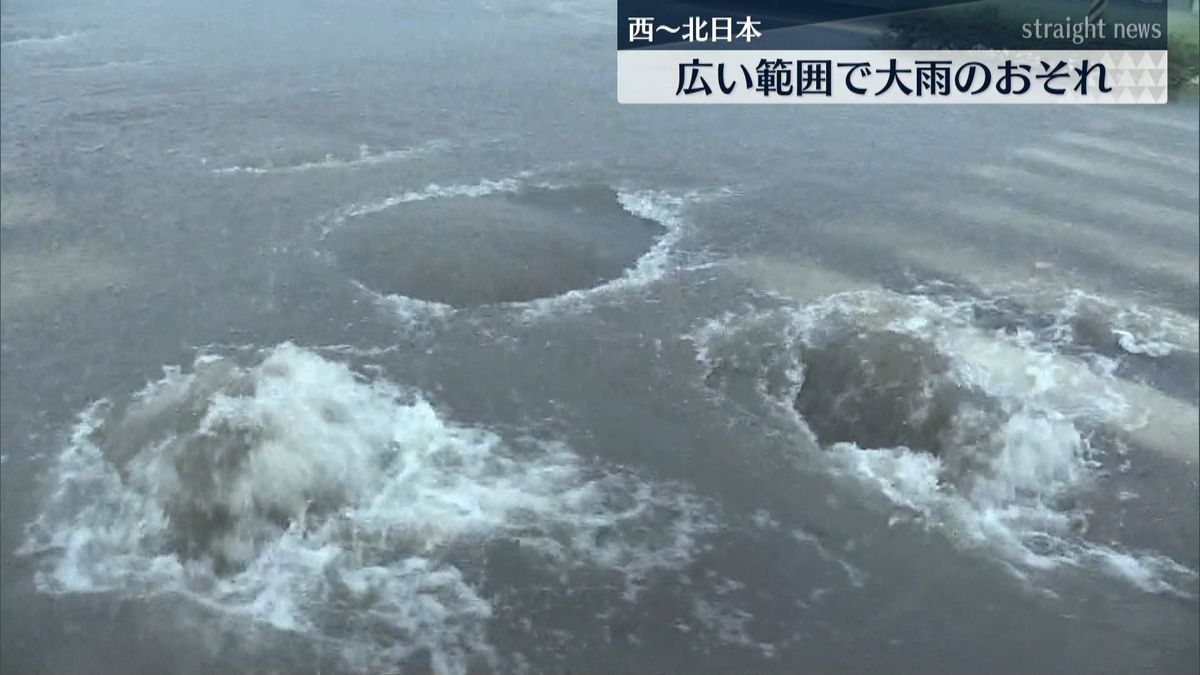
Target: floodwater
376 336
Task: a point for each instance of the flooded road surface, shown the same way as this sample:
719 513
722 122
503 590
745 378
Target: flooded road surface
378 337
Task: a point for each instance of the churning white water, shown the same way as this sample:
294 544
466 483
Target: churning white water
297 493
993 436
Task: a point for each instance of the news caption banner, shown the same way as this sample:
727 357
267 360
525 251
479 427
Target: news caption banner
764 51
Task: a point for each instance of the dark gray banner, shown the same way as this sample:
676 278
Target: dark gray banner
892 24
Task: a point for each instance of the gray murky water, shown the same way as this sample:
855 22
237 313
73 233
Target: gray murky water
470 368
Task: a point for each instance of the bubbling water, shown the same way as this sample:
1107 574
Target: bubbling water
305 497
993 435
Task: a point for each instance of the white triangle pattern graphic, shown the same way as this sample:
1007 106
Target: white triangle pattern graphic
1140 77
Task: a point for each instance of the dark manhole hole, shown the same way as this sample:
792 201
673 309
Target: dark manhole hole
473 251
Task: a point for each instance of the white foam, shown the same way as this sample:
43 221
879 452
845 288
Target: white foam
854 575
727 623
665 208
1025 365
410 311
322 503
1138 328
1019 525
1001 496
48 40
433 191
1135 345
366 157
104 65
